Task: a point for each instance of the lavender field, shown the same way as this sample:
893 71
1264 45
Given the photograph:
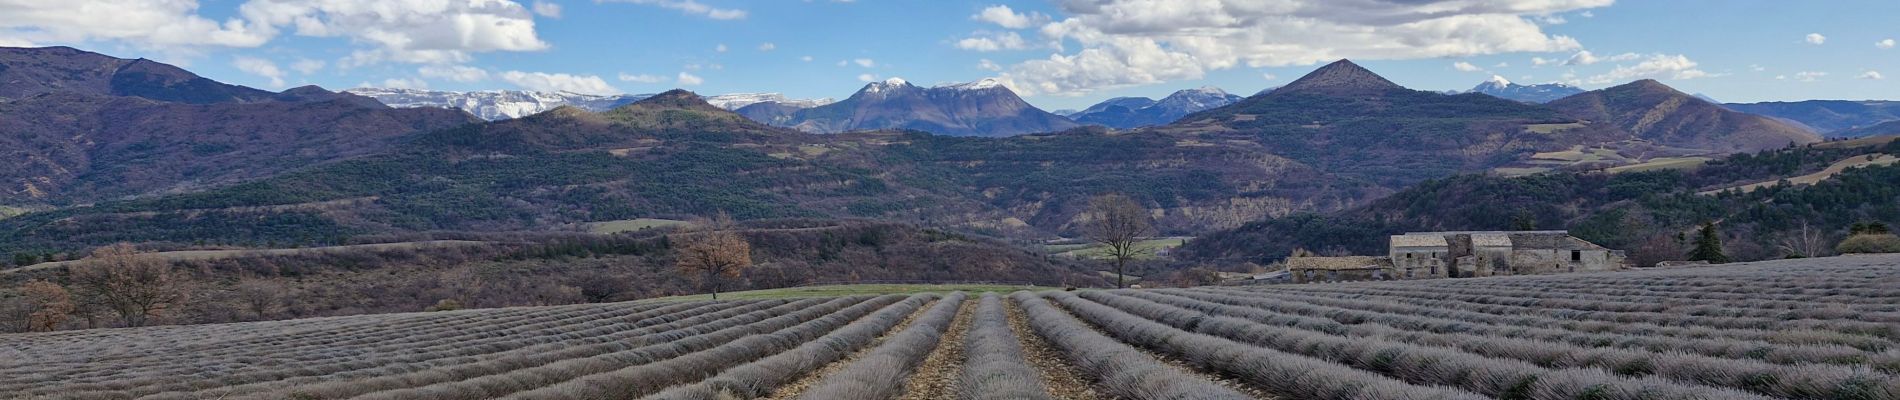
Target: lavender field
1796 329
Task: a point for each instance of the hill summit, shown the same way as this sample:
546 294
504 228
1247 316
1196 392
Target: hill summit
982 108
1651 110
1342 77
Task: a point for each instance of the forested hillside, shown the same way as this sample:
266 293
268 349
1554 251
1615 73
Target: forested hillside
1642 212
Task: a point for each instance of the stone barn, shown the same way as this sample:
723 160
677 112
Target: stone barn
1431 255
1495 253
1307 269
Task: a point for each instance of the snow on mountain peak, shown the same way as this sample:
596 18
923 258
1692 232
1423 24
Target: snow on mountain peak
1499 80
985 83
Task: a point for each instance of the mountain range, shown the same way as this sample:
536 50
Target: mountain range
1540 93
1135 112
1834 118
312 166
982 108
506 104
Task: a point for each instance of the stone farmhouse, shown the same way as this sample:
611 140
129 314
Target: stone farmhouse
1431 255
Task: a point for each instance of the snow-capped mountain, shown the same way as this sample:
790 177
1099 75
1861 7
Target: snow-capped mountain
1502 88
1133 112
506 104
981 108
736 101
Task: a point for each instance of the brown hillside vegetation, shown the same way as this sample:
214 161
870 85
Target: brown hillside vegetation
1651 110
1797 329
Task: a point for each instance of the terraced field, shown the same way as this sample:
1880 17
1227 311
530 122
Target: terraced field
1799 329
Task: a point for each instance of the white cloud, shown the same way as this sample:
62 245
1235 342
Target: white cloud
1587 14
1002 16
1465 67
400 83
641 78
1806 76
1540 61
458 73
1815 38
1502 64
413 31
987 65
143 23
542 81
1268 76
1657 66
307 66
994 42
865 62
767 46
1136 42
1871 74
547 9
1585 57
720 48
1757 67
1884 43
260 67
867 77
691 7
805 59
1551 19
686 79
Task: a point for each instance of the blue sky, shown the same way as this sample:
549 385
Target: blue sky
1061 54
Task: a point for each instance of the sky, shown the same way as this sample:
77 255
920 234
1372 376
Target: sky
1059 54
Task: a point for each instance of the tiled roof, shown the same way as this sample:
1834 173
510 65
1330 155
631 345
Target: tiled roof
1425 240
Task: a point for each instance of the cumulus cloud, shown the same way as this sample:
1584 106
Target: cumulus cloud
805 59
1871 74
557 82
547 9
994 42
458 73
1585 57
1135 42
1884 43
641 78
260 67
1268 76
865 62
867 77
1657 66
307 66
1003 16
1805 76
691 7
1815 38
413 31
686 79
143 23
987 65
1465 67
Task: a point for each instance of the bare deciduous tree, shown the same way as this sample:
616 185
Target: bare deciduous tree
716 253
263 298
134 287
1116 221
1804 243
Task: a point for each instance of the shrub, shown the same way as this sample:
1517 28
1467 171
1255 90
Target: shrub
1869 243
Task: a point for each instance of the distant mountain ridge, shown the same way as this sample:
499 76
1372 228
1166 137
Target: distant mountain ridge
1540 93
1833 118
981 108
1650 110
506 104
1135 112
83 127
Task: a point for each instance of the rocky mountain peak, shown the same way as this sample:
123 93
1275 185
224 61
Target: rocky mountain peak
1342 77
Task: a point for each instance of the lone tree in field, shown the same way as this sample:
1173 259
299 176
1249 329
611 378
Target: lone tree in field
715 254
1117 222
136 288
1708 246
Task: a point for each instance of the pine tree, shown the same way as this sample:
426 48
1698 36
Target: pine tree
1708 246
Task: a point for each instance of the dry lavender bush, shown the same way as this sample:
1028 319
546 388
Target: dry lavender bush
1825 328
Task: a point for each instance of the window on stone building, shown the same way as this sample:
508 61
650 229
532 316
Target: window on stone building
1576 255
